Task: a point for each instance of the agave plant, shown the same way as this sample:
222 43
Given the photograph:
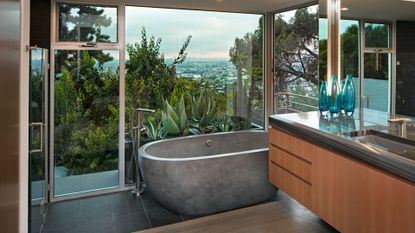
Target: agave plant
174 120
203 112
155 131
225 124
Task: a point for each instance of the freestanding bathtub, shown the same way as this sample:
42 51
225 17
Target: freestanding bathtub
205 174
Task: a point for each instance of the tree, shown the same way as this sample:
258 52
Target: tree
296 49
86 116
149 80
246 56
82 23
350 51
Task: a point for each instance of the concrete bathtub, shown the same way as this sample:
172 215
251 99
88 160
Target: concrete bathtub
205 174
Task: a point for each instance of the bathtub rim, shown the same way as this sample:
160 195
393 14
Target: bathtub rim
142 150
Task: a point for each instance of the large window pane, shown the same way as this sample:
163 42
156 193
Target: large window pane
350 53
377 35
86 121
377 80
87 23
296 57
211 59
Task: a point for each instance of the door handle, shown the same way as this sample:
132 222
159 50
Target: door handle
33 125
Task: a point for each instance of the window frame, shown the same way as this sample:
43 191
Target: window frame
56 28
68 45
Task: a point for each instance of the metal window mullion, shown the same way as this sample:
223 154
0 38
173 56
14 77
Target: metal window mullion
268 67
77 47
46 123
52 103
393 70
121 141
362 62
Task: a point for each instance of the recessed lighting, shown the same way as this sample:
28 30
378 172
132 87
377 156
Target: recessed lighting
344 8
408 0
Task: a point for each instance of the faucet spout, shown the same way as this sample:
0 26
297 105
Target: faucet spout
403 125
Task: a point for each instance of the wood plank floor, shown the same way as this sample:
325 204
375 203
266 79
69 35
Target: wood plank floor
283 216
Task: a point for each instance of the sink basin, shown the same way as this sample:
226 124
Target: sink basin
386 142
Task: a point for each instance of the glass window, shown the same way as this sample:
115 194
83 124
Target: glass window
323 36
86 122
377 35
350 53
377 81
87 23
211 60
296 60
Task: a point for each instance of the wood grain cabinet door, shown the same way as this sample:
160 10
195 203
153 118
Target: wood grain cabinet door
384 203
354 197
333 193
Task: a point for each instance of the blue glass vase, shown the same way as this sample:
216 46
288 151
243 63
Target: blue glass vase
348 96
343 82
335 97
323 99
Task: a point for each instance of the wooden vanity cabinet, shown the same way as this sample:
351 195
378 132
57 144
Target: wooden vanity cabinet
290 166
349 195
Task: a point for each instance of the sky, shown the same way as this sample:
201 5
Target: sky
343 27
213 33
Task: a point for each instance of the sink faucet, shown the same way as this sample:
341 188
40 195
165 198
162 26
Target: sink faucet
403 125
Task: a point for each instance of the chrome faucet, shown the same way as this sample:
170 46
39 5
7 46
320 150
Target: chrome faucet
403 125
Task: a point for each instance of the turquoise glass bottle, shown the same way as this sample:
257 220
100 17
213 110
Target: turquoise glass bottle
335 97
323 99
349 96
343 82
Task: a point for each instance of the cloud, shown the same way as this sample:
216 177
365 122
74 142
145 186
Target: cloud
213 33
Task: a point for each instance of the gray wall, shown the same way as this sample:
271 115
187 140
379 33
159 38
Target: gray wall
9 114
405 71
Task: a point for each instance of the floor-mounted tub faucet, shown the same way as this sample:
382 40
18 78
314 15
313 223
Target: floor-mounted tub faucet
135 131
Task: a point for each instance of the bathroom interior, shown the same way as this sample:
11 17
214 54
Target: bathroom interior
208 116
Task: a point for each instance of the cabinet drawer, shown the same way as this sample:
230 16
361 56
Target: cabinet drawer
296 165
289 143
293 186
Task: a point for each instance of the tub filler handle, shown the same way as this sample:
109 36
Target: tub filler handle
208 143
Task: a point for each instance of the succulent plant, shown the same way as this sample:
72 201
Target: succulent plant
155 131
225 124
174 120
203 112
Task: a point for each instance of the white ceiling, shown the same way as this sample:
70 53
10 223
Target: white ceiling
247 6
387 10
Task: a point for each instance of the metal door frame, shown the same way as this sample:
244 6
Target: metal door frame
45 124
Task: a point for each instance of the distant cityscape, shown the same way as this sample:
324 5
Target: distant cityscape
221 73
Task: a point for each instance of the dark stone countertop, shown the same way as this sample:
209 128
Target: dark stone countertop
330 134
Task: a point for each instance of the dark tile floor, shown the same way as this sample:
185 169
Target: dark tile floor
113 213
118 213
